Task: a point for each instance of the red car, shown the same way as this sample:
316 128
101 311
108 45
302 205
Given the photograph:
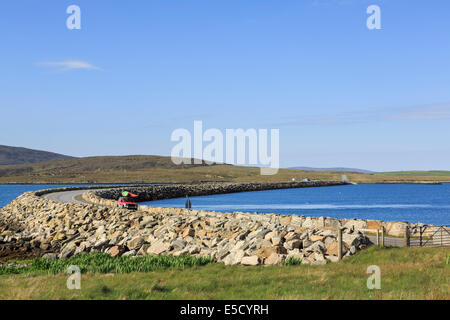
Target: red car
126 203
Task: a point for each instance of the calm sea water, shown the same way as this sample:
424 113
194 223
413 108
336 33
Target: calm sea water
413 203
399 202
9 192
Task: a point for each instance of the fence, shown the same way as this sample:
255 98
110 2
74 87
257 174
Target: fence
378 237
428 236
421 236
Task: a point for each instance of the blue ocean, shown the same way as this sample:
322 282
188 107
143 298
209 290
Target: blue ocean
429 204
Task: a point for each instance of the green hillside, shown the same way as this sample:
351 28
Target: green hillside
150 169
434 173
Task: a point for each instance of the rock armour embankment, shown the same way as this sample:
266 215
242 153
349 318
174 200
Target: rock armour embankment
32 222
109 196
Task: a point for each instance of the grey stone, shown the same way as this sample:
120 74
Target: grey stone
135 243
129 253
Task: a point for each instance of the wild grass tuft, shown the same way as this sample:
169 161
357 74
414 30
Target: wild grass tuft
104 263
291 261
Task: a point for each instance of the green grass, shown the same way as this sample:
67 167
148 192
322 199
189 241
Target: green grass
104 263
435 173
292 262
406 273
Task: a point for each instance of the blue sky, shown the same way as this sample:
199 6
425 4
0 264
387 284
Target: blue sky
341 95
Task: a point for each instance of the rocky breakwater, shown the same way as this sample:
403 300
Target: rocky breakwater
109 196
35 224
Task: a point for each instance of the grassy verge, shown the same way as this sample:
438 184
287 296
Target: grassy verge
406 273
104 263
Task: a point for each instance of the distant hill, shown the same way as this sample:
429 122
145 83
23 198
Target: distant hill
103 169
16 155
333 169
161 169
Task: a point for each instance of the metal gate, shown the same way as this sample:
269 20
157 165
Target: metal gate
419 236
430 236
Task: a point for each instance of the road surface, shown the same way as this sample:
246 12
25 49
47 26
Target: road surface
66 196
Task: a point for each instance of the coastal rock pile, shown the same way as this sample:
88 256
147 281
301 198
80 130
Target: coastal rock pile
109 196
62 230
232 238
106 197
53 229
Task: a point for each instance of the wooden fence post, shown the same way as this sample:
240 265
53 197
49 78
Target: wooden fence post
420 236
339 244
406 240
382 237
378 238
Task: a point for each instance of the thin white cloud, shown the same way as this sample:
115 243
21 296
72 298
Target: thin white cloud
416 113
68 65
433 112
331 119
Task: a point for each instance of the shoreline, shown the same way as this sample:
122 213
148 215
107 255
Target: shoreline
169 183
65 228
280 186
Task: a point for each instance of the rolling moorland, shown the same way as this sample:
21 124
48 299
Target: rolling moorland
333 169
22 165
17 155
153 169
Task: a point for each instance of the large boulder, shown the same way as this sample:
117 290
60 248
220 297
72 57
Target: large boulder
234 257
250 261
317 246
396 229
355 224
351 239
332 249
374 224
159 247
135 243
293 244
117 251
277 240
274 259
265 252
